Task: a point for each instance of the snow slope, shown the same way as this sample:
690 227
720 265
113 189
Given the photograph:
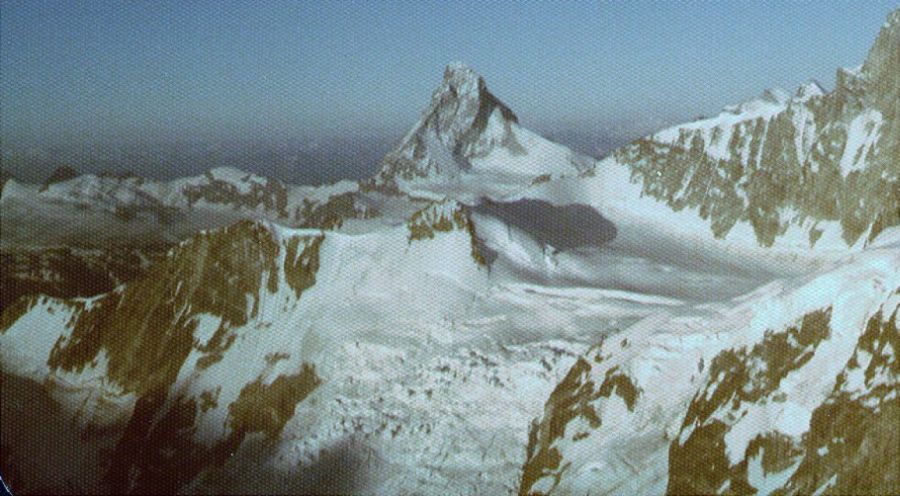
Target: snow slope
688 401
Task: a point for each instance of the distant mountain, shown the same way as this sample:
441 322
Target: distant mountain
469 143
317 158
156 210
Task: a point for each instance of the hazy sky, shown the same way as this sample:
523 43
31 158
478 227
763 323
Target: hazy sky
103 70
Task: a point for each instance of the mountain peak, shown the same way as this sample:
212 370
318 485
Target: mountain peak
463 120
883 62
810 89
769 98
462 79
463 96
893 19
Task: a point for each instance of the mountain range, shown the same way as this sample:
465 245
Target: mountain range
710 309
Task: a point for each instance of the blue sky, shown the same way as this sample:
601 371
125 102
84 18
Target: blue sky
108 70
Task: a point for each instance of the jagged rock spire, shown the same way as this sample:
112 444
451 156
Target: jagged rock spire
453 128
463 103
884 56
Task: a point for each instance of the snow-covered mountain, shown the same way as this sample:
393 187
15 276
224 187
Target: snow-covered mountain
469 144
83 209
784 180
794 386
813 165
223 187
712 309
303 344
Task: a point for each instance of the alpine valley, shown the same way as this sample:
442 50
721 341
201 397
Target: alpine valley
711 309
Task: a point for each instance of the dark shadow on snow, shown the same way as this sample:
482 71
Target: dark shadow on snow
564 227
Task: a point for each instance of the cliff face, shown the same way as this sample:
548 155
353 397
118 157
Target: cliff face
448 216
138 352
754 425
240 191
784 160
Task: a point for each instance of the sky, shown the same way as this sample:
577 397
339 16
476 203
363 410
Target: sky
139 71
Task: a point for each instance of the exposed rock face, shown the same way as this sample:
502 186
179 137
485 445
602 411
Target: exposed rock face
332 213
778 161
248 191
842 445
570 401
446 216
151 342
67 272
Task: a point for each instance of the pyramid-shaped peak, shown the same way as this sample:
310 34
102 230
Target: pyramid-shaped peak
462 100
462 80
463 121
460 70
